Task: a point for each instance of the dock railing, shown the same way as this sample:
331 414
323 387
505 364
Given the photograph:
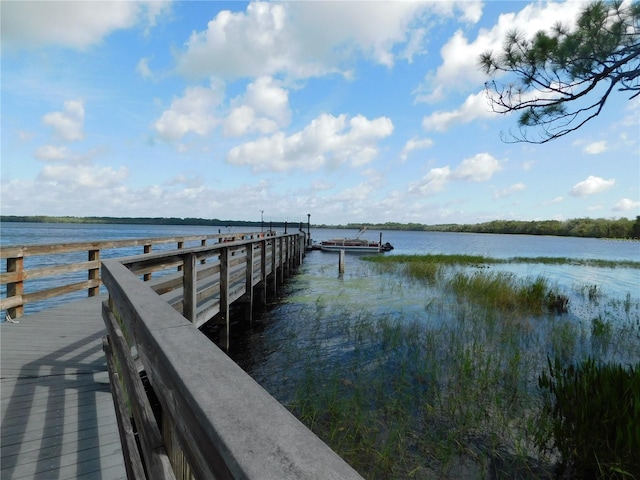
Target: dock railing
193 412
62 265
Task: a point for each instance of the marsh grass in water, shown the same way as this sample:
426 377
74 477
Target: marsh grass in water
428 367
502 291
470 260
411 401
591 415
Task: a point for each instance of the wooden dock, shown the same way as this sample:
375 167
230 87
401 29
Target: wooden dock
199 415
58 417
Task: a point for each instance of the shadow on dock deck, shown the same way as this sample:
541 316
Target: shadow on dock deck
58 418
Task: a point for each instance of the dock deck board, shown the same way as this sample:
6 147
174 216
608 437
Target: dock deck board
58 420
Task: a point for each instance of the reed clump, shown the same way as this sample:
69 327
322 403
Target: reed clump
470 260
409 401
502 291
448 390
591 415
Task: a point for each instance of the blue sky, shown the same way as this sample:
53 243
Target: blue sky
357 111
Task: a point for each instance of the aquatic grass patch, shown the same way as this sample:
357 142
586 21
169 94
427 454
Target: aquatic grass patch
501 290
591 415
407 378
414 398
584 262
417 400
601 327
480 260
440 259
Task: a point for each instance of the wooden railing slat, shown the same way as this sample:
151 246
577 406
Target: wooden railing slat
59 291
150 437
16 275
132 460
9 277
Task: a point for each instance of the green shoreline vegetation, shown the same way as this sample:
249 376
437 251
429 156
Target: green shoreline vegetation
421 261
490 378
622 228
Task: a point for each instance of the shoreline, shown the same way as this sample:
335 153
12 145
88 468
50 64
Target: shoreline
610 229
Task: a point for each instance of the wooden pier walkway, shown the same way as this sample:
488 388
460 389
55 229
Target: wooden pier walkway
61 372
58 419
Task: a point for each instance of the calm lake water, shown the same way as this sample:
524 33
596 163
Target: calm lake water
613 281
508 246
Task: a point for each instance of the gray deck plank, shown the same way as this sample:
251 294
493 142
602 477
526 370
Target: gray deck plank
58 420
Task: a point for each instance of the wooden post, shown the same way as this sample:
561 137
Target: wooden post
147 249
180 246
281 261
294 252
274 265
203 243
249 281
287 257
16 288
224 297
189 288
263 271
302 248
94 273
341 262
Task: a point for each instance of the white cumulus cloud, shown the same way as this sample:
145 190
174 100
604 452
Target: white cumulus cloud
591 186
264 108
415 144
74 24
327 141
626 205
459 68
478 168
432 182
596 147
305 39
83 176
474 107
194 112
52 153
68 124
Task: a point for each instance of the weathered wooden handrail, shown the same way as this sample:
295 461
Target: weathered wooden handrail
213 420
16 275
210 278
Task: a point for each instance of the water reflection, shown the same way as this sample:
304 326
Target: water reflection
317 296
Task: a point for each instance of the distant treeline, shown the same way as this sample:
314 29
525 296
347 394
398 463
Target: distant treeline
578 227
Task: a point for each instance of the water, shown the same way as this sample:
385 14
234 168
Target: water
612 280
363 288
618 281
14 233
